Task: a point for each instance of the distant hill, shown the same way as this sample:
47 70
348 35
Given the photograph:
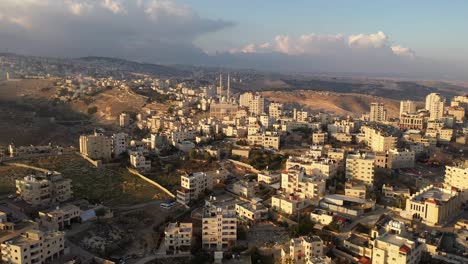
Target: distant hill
392 89
132 66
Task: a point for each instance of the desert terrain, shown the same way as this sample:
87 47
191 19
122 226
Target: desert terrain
342 104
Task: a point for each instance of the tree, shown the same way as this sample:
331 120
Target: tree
193 154
92 110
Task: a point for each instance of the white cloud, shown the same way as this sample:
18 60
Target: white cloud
77 8
377 40
113 6
329 45
249 48
404 52
308 44
158 8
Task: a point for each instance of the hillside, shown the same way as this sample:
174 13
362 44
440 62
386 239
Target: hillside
31 115
342 104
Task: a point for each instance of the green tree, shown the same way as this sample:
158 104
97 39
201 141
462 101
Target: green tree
92 110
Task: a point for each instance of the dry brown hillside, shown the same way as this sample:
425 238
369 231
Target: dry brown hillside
31 115
342 104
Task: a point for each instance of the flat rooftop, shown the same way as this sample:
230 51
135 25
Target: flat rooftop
434 193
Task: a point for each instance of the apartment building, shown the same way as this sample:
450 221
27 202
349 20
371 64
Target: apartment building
180 135
321 217
33 246
407 107
395 192
303 250
300 115
253 211
342 126
120 143
222 110
457 176
45 189
288 204
356 189
337 154
124 120
395 159
193 185
219 227
377 113
267 139
314 165
457 112
435 103
178 237
400 159
269 177
360 167
319 138
96 146
60 217
257 105
379 139
245 99
433 205
296 181
392 246
275 110
245 188
139 161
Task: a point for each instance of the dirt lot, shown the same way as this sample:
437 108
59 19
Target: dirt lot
132 234
263 234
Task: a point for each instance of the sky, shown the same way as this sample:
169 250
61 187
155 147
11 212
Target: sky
421 38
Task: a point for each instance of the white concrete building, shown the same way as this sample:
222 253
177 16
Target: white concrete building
96 146
435 103
139 161
178 237
433 205
120 143
360 167
44 190
377 113
407 107
303 250
33 246
296 181
219 227
193 185
457 176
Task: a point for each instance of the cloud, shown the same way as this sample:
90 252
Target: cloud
307 44
77 8
377 40
150 30
404 52
375 44
113 6
158 8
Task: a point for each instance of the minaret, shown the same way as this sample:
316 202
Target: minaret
229 87
220 91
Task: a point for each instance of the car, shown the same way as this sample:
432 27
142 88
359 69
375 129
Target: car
165 206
